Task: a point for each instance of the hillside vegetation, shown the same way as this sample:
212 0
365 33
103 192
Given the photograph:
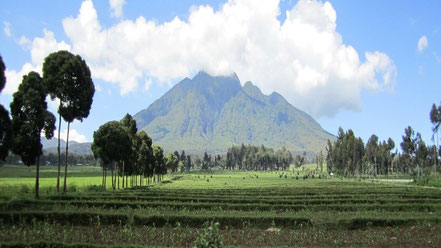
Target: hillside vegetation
211 114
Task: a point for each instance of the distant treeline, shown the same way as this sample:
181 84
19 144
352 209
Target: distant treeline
52 159
242 157
258 158
349 156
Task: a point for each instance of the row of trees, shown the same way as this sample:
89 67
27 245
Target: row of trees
349 156
129 154
250 157
67 78
52 159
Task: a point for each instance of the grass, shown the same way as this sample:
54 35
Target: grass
267 209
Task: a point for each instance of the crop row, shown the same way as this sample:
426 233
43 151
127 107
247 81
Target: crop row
158 195
88 219
28 204
401 192
49 244
282 192
249 200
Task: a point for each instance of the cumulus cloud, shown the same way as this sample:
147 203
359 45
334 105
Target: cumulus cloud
147 84
116 7
74 135
422 44
7 28
25 43
303 57
40 47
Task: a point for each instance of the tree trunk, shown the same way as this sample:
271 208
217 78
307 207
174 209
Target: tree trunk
123 175
113 186
118 178
67 154
140 180
37 180
103 178
375 168
59 154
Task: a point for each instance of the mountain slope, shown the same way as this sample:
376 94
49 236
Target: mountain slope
212 113
50 146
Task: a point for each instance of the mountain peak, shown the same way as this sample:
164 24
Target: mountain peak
250 89
211 113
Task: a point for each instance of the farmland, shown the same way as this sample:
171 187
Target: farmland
252 209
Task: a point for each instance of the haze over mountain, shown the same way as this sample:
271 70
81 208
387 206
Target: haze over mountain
50 146
210 114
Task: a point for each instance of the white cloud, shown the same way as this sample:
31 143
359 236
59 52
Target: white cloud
14 78
303 57
40 47
7 28
422 44
98 87
116 7
25 43
147 84
74 135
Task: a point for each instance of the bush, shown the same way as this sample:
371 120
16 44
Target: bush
95 188
24 189
209 236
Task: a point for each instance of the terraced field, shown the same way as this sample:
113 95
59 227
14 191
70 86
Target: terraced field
276 212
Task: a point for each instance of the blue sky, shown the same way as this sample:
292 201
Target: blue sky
372 66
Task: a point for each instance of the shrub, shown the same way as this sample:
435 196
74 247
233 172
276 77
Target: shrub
24 188
95 188
209 237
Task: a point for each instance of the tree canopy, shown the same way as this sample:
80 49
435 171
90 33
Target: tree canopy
111 143
29 118
67 77
5 121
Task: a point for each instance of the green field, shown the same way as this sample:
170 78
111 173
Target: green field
253 209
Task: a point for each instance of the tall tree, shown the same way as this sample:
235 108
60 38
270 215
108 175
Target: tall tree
5 121
129 124
372 151
435 118
111 144
159 161
68 78
409 146
145 154
29 118
171 162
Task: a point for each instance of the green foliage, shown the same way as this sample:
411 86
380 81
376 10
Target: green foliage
30 117
5 121
249 157
111 143
68 78
348 156
2 74
172 162
209 237
5 133
145 159
254 212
